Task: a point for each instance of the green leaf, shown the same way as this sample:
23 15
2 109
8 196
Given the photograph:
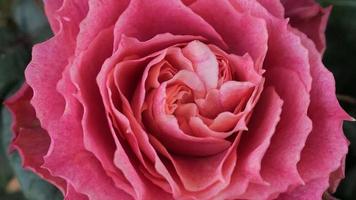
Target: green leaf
348 3
5 170
13 59
33 187
347 189
30 19
341 45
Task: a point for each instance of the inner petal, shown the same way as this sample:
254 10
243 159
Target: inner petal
204 63
177 94
233 92
166 129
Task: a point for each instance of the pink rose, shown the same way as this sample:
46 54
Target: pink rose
163 99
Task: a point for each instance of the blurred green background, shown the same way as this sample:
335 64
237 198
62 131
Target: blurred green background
22 24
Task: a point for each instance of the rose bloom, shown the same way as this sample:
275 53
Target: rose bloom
192 99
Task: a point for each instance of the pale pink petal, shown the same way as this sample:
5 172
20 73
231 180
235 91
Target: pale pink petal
176 58
233 92
226 121
204 63
191 80
211 98
224 125
243 69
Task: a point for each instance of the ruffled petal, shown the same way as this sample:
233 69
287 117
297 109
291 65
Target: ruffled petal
101 15
51 7
279 166
30 139
312 190
254 144
242 32
284 47
61 116
164 17
97 136
326 146
275 7
310 18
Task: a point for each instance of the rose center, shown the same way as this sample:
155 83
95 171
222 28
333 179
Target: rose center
177 94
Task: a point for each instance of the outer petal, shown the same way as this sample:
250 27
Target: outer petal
81 162
326 146
310 191
284 48
30 139
51 7
145 19
310 18
127 124
97 135
101 15
274 7
279 166
62 115
46 67
57 11
242 32
263 125
254 144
